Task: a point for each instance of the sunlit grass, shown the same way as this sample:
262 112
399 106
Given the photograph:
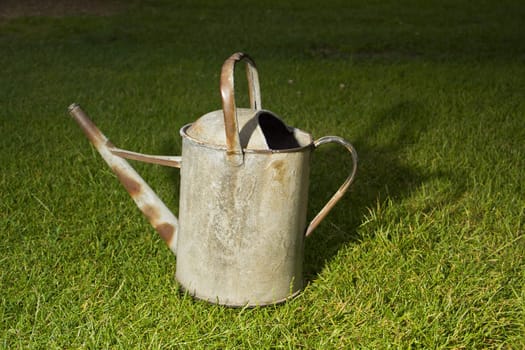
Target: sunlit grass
425 251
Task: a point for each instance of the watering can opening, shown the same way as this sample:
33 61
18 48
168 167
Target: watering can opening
278 136
259 131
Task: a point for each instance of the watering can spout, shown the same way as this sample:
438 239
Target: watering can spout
160 217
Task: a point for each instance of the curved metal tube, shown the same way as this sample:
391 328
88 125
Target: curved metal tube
344 187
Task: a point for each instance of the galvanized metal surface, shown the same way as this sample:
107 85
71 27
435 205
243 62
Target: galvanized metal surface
243 198
242 209
242 227
209 130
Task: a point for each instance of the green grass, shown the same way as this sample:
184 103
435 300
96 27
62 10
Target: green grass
425 251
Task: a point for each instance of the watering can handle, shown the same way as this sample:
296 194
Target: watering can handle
344 187
233 143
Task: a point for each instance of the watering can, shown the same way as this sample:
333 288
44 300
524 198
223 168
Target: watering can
244 182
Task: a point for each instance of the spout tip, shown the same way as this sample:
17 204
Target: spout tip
72 106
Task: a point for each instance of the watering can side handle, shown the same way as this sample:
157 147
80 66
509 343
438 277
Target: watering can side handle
344 187
233 143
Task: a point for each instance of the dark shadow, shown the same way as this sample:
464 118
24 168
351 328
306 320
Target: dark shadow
278 136
383 174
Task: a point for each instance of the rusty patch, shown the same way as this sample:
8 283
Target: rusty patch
151 213
88 127
230 124
166 231
132 186
279 170
195 129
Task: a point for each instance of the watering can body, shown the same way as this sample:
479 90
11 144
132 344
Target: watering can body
241 231
244 185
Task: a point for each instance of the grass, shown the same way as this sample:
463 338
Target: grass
426 251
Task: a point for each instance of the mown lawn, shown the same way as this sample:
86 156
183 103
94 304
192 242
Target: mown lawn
425 251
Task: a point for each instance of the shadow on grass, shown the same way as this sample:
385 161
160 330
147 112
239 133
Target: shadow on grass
383 173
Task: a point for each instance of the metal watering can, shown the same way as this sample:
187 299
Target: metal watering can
243 198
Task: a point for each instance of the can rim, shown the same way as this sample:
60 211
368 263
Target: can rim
184 134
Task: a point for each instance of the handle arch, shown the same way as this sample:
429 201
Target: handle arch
344 187
233 143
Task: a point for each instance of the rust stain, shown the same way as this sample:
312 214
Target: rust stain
228 105
279 171
88 127
196 129
166 231
131 185
151 212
